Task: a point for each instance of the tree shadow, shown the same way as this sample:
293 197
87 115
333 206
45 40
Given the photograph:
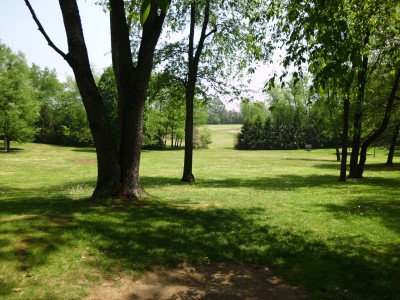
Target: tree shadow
279 182
84 150
382 207
143 236
382 167
12 150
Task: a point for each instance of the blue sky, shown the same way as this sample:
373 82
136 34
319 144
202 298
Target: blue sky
18 31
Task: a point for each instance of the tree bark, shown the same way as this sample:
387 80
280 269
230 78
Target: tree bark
108 176
382 127
389 161
132 86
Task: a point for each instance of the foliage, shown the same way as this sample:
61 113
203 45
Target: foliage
108 90
62 118
47 88
71 122
201 137
18 105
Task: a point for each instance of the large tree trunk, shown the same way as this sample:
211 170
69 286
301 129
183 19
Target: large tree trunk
356 144
393 142
132 86
108 177
118 163
382 127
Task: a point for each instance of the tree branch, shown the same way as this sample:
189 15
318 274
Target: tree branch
203 34
211 32
41 29
180 80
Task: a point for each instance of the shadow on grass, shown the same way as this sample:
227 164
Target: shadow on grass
84 150
382 167
126 236
12 150
279 182
282 182
385 208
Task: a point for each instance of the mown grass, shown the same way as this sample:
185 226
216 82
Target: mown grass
283 209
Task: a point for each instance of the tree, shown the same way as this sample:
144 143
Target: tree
70 121
118 160
19 108
295 117
165 116
224 38
340 39
215 110
193 66
382 127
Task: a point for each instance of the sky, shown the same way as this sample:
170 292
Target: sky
19 31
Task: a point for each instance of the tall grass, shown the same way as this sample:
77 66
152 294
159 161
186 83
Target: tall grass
283 209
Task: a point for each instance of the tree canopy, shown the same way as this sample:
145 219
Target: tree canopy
18 105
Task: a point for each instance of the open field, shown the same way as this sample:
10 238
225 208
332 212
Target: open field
281 209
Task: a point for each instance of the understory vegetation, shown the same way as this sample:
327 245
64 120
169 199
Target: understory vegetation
281 209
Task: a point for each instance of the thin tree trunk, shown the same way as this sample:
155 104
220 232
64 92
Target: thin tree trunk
389 161
7 144
337 150
189 97
193 64
382 127
172 137
345 138
335 131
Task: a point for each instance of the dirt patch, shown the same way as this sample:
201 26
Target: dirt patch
85 161
218 281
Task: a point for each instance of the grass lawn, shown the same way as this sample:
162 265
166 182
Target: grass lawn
282 209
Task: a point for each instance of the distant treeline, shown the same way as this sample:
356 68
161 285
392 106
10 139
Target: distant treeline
291 118
272 135
218 114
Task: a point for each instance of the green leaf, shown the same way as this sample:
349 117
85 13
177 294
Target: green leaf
144 11
163 5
